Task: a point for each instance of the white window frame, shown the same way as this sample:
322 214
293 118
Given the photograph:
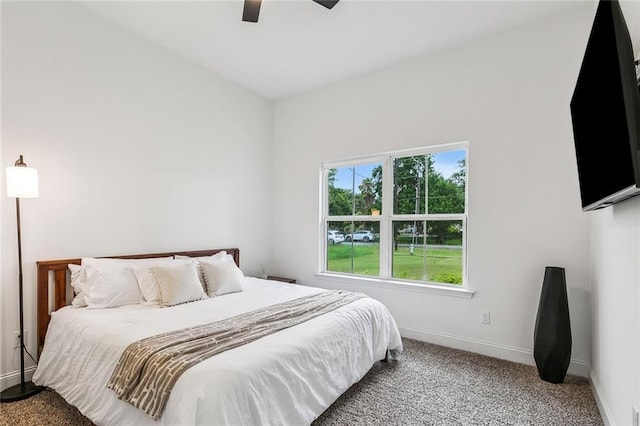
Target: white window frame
386 219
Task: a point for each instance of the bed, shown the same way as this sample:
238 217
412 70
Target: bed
286 378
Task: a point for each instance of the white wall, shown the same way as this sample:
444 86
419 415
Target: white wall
615 281
138 151
508 95
615 276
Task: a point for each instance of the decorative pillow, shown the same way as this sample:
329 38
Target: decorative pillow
178 283
78 282
197 261
221 274
112 282
148 283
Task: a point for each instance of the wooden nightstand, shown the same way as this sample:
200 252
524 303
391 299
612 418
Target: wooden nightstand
283 279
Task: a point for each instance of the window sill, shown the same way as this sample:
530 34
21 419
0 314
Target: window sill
398 285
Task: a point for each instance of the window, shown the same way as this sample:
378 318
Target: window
398 216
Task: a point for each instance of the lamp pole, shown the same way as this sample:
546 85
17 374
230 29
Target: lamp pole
22 383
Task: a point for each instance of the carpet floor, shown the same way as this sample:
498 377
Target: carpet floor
427 385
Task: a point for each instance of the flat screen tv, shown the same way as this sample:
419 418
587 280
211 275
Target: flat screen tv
605 113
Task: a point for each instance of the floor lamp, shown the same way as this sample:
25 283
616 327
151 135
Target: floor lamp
22 182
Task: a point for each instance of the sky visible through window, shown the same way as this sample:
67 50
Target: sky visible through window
446 163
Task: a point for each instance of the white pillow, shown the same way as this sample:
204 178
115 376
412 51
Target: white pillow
148 283
112 282
78 282
178 283
197 261
221 274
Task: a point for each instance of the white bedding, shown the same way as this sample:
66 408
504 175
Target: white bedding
287 378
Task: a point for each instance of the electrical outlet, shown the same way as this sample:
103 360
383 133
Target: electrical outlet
486 317
635 420
16 339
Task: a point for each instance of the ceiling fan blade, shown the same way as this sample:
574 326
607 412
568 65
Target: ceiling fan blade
251 10
327 3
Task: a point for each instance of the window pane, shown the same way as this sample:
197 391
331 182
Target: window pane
409 184
359 250
447 179
355 190
428 251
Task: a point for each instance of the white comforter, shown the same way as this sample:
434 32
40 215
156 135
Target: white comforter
287 378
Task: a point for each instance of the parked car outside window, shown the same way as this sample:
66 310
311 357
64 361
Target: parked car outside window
363 235
335 237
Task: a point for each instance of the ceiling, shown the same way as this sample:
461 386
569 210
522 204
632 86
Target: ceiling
298 45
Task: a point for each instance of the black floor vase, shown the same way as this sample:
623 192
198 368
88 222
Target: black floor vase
552 335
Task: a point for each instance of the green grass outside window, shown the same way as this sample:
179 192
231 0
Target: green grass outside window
440 264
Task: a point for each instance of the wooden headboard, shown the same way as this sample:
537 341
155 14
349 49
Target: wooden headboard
54 294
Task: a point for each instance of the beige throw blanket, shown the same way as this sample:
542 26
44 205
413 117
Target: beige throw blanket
149 368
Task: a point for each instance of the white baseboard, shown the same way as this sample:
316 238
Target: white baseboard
600 402
509 353
13 378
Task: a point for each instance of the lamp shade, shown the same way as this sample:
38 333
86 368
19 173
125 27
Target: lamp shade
22 182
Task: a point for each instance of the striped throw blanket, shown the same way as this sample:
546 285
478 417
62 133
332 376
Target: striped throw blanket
149 368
